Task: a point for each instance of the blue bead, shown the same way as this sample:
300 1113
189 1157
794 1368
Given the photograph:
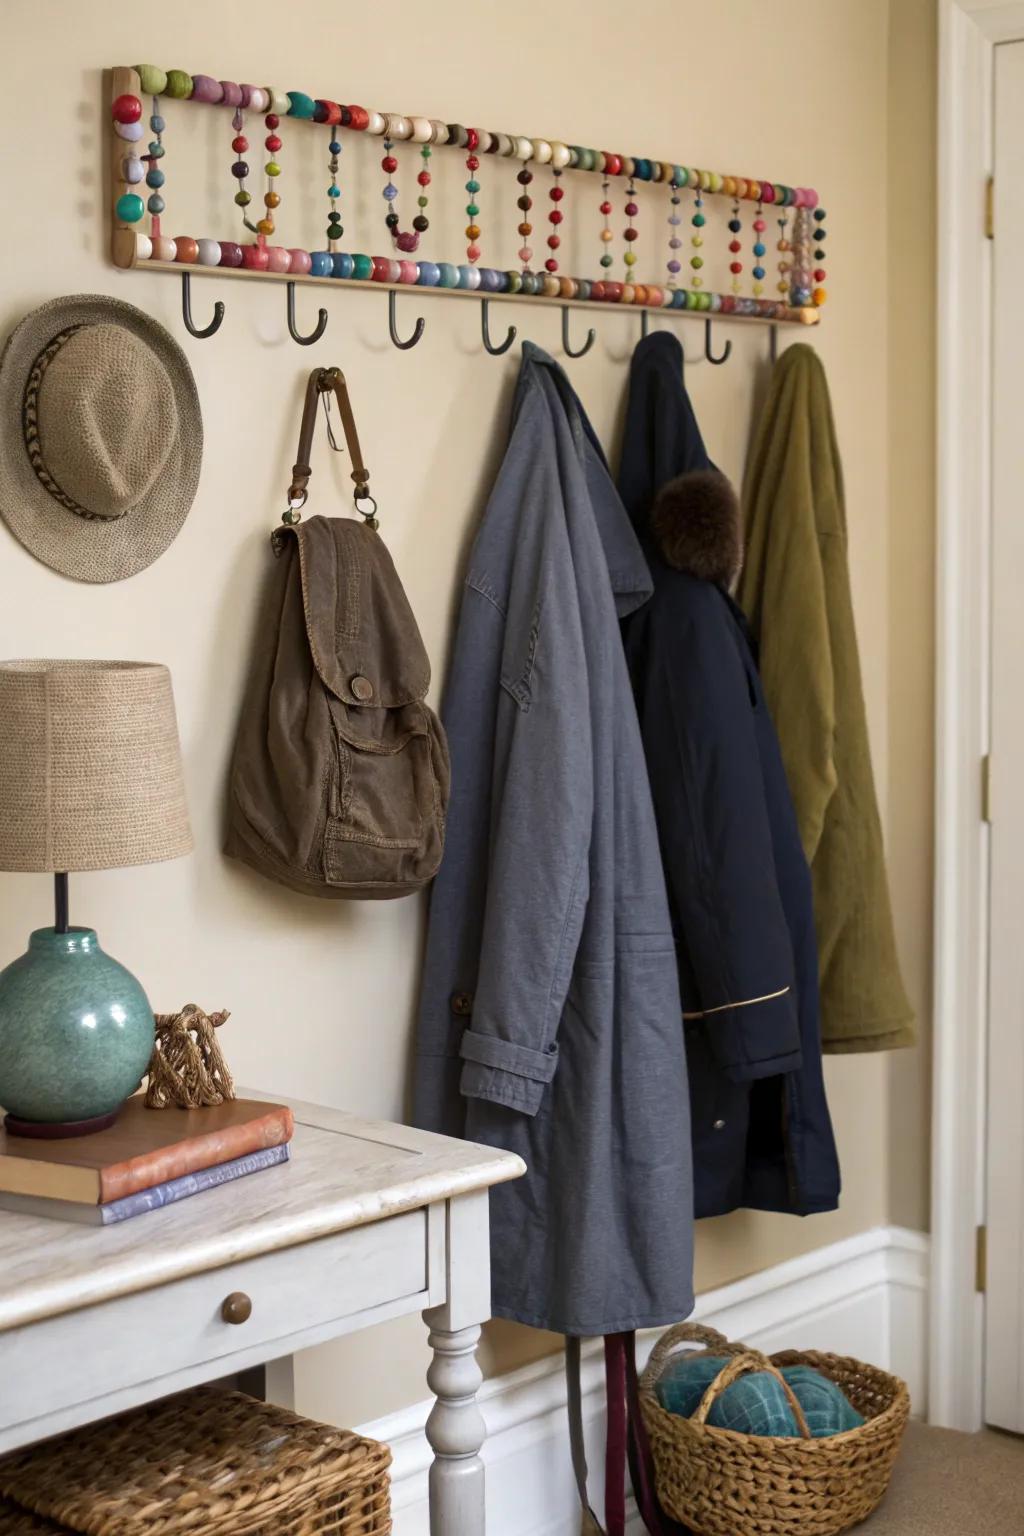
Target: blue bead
583 288
342 264
531 283
679 299
759 249
155 149
390 192
472 186
321 263
157 123
334 147
155 178
333 191
642 170
469 277
430 274
489 279
759 273
156 204
448 275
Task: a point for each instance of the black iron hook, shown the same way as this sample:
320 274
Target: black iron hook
773 343
186 311
582 351
321 325
485 331
707 346
403 346
645 323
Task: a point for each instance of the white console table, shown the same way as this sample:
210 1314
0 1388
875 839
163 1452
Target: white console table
367 1221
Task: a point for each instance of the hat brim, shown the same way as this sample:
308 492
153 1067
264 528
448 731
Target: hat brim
91 549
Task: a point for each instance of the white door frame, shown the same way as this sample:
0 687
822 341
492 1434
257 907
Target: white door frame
968 32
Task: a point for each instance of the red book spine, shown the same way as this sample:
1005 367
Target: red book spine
191 1156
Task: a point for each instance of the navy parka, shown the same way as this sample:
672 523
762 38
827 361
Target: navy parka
739 887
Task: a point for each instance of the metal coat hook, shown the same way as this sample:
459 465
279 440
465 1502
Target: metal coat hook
645 324
321 325
773 343
186 311
582 351
485 331
707 346
403 346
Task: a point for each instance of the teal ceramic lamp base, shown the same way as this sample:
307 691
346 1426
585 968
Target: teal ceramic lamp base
76 1035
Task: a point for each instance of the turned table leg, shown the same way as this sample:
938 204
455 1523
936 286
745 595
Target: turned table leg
455 1428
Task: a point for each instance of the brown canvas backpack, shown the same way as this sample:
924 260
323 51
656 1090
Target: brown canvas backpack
340 777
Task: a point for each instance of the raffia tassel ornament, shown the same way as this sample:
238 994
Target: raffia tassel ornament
187 1067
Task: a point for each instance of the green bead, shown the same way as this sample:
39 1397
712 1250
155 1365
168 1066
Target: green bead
426 151
515 282
152 81
679 176
699 220
243 199
362 267
606 260
129 208
696 262
473 186
179 84
630 258
423 201
301 104
472 210
272 168
156 149
692 301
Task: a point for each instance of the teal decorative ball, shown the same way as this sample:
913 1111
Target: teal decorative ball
76 1030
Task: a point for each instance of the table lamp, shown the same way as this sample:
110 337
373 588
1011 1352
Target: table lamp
90 778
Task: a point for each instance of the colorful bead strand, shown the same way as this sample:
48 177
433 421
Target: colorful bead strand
164 249
782 245
335 228
555 218
524 203
606 233
271 198
406 240
760 250
674 242
697 238
126 112
630 234
820 293
735 246
240 167
473 188
800 294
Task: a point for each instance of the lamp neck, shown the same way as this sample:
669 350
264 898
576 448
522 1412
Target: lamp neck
60 902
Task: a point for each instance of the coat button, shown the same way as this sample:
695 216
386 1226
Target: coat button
719 1125
362 689
462 1004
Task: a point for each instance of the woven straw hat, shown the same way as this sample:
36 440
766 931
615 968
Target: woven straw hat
101 437
90 766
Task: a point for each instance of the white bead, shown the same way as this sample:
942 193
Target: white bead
398 127
422 130
280 101
143 248
375 123
209 253
132 169
559 156
259 99
542 151
506 145
523 148
438 131
486 140
131 132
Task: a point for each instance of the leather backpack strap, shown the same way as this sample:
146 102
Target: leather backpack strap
322 383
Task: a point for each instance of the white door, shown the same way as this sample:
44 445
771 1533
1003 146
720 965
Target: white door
1004 1301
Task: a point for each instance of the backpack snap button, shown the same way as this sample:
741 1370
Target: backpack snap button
462 1004
362 689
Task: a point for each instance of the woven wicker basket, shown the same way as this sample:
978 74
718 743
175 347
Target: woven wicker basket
721 1483
15 1521
206 1463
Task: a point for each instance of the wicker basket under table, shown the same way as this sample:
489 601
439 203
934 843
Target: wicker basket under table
718 1482
205 1463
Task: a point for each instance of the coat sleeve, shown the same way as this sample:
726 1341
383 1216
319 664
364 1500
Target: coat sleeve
538 875
698 724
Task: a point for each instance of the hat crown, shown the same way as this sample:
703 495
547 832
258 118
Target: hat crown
107 419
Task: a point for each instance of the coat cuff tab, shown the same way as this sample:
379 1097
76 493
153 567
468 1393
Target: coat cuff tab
505 1073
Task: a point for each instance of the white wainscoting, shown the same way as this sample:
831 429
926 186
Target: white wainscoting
863 1296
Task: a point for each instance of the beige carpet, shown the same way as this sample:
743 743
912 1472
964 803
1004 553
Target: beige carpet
949 1484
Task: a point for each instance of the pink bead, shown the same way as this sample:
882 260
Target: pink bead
386 270
301 261
810 198
164 248
205 88
613 292
278 259
525 253
255 258
408 271
655 296
232 94
473 252
258 99
760 225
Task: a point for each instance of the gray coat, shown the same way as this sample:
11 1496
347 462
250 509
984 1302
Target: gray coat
550 1022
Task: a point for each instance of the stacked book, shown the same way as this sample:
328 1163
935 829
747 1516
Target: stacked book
147 1159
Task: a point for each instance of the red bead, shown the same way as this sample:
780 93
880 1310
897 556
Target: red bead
551 265
596 290
734 245
273 143
389 164
472 138
820 274
472 163
359 117
613 292
555 216
728 303
631 234
272 120
126 109
424 178
606 208
612 164
735 266
331 112
553 242
557 193
240 144
631 210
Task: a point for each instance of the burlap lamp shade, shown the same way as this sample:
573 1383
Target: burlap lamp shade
90 778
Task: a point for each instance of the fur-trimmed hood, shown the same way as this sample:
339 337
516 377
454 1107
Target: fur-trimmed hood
697 527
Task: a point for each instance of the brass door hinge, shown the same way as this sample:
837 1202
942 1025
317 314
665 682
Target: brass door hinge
986 789
980 1259
990 208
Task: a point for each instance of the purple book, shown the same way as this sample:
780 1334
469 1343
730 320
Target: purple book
147 1199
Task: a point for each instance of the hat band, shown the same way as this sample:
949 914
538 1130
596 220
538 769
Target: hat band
33 443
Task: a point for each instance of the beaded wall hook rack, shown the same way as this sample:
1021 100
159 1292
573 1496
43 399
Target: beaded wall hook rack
687 193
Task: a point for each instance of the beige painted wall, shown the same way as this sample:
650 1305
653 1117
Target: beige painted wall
322 995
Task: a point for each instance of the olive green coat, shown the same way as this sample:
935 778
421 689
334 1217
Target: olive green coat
795 590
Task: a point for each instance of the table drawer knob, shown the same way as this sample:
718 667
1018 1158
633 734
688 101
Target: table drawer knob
236 1308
